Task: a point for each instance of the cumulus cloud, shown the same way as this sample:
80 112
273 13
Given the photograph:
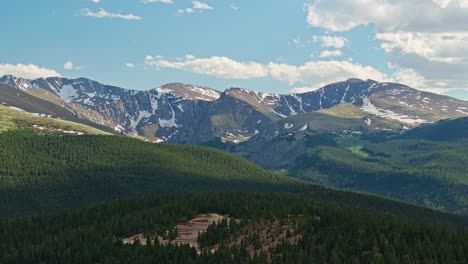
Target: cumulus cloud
437 75
68 66
449 47
313 74
413 79
96 1
430 45
221 67
130 65
330 53
389 15
201 5
319 73
331 41
28 71
196 6
102 13
409 77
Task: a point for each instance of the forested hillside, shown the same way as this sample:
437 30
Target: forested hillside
425 166
445 130
427 173
46 172
322 229
425 178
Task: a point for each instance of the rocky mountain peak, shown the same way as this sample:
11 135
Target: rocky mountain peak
20 83
354 80
190 92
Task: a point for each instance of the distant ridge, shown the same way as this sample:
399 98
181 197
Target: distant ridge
185 113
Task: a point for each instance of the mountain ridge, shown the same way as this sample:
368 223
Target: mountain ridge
185 113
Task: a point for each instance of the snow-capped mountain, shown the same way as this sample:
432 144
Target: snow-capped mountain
387 100
187 113
190 92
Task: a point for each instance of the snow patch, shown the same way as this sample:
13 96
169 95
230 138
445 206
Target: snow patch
170 122
91 95
67 93
88 101
135 122
461 111
192 92
389 114
344 95
119 128
368 121
208 94
154 104
279 114
17 109
304 128
181 108
291 110
288 126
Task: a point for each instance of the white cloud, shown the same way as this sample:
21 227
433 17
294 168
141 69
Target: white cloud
130 65
101 13
312 74
96 1
319 73
221 67
196 6
157 1
201 5
413 79
330 53
437 75
188 10
331 41
389 15
68 66
426 39
448 47
28 71
409 77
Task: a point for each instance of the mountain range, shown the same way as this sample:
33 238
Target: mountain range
184 113
66 144
383 138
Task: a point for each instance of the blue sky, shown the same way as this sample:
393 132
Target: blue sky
273 46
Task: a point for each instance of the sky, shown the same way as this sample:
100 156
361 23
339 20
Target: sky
271 46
